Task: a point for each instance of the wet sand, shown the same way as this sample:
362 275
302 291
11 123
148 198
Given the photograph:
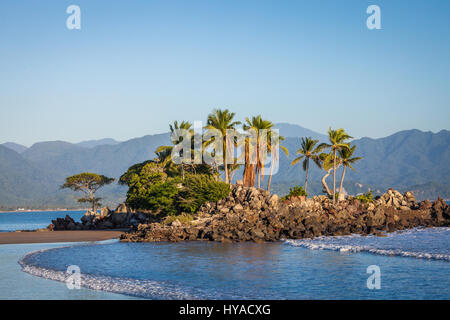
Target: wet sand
57 236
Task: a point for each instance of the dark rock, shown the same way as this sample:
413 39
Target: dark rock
250 214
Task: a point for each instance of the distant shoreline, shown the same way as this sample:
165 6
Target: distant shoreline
85 209
42 210
15 237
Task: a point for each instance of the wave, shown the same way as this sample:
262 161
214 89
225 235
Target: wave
391 245
142 288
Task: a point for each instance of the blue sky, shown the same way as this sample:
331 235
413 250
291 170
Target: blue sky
135 66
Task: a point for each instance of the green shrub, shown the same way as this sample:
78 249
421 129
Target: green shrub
158 196
295 192
136 169
366 198
150 188
199 189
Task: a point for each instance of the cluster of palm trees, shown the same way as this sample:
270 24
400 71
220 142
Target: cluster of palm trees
340 154
223 121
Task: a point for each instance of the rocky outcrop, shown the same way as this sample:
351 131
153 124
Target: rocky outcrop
66 223
249 214
121 218
395 199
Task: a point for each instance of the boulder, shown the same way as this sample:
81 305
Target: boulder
119 219
176 223
121 208
105 211
425 205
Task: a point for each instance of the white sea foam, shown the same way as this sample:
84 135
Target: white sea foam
408 243
143 288
134 287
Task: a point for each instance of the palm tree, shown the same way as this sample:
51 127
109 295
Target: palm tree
337 139
258 125
183 125
327 165
222 120
249 168
345 157
274 153
164 157
308 151
164 153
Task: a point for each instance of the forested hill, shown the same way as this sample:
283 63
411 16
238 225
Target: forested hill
406 159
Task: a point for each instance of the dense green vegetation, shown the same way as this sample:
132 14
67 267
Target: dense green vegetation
168 190
167 187
199 189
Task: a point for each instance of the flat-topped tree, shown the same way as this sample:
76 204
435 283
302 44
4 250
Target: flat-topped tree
88 183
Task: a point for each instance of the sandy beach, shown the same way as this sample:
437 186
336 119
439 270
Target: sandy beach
57 236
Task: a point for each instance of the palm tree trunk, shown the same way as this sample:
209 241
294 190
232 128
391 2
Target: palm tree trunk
259 178
324 182
232 173
224 150
251 173
246 175
271 172
307 173
334 178
342 182
216 167
257 167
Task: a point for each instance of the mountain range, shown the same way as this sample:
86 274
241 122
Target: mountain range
30 177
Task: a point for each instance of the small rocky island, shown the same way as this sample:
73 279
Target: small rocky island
168 201
251 214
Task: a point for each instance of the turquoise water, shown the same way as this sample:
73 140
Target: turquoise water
18 285
284 270
414 264
12 221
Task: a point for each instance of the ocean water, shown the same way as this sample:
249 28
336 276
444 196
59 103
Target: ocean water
413 265
18 285
12 221
426 243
